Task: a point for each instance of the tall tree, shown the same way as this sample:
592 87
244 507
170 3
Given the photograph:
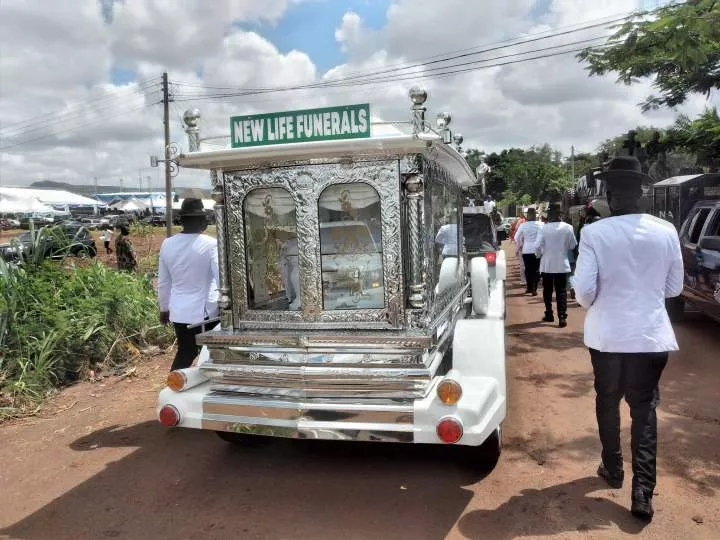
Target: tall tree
700 137
677 45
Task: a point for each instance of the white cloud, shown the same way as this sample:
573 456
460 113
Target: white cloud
60 56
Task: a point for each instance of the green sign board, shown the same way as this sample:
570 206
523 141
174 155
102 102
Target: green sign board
348 122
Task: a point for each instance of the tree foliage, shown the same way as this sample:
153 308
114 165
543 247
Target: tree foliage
677 45
520 176
700 137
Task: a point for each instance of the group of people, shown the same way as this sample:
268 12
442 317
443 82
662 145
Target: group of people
627 265
547 250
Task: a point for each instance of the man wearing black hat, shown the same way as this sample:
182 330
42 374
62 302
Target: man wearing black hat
629 263
556 240
187 282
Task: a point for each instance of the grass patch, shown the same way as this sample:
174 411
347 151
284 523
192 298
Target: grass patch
59 320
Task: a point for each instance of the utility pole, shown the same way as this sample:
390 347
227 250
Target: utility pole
572 161
168 180
95 186
140 179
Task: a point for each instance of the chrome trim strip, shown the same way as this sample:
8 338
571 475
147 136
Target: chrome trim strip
311 432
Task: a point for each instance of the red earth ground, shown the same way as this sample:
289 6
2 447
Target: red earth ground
95 464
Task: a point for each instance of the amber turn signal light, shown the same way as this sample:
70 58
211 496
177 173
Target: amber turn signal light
449 391
176 380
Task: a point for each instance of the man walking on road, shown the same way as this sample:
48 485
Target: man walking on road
556 240
628 265
527 237
188 273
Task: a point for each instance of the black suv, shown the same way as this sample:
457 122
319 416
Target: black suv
700 242
68 238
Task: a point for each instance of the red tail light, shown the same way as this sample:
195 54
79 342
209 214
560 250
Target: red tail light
490 257
449 430
169 416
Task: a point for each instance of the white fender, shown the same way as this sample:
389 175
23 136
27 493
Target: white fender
480 284
479 350
448 275
501 266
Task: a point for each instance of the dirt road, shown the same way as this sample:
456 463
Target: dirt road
102 467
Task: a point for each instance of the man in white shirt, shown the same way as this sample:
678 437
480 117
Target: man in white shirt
187 282
447 237
628 265
556 239
527 237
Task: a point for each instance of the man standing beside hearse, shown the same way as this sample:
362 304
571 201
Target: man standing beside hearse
628 264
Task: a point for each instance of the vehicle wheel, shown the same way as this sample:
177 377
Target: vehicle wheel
675 308
490 450
485 457
242 439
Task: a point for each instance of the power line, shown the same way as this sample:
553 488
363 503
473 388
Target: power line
400 76
65 113
459 53
79 115
403 77
80 126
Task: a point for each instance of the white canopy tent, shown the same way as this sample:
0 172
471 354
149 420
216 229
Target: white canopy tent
50 197
23 205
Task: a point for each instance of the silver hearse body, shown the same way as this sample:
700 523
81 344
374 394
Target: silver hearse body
348 309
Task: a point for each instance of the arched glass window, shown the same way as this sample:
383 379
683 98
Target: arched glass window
351 247
271 250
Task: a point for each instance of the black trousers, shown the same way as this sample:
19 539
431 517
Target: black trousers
108 251
559 282
187 349
635 376
532 271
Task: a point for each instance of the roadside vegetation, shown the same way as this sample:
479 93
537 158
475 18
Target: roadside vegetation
60 319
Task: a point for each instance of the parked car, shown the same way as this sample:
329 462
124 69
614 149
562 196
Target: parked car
155 220
75 240
5 224
700 242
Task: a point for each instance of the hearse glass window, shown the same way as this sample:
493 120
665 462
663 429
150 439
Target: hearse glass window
445 210
351 247
271 250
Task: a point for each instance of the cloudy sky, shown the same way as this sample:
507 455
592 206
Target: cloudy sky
80 80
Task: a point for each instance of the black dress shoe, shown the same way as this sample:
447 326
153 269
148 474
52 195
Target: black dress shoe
642 505
548 317
615 481
562 323
534 293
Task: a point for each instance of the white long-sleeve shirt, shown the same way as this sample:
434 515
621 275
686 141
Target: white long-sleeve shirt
554 242
626 268
527 236
188 277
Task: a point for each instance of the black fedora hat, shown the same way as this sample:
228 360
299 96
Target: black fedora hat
624 171
191 207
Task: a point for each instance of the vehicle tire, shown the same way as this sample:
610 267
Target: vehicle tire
242 439
489 451
675 308
485 457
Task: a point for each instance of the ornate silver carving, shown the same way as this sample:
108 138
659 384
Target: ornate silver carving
305 184
224 300
418 96
414 198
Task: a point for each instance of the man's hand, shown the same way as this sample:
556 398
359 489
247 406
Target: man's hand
164 317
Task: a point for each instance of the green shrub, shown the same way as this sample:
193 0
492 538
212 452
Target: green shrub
56 323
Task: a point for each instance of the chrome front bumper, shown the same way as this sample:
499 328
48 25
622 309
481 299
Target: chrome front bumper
481 410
